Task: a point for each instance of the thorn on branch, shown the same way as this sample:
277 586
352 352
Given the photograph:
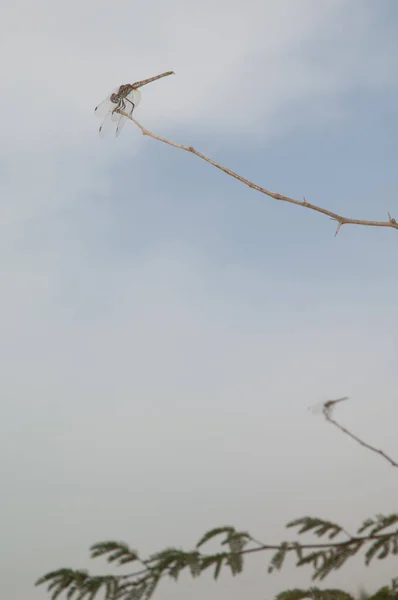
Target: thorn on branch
339 224
391 219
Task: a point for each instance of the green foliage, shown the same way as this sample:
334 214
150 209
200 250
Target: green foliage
315 594
318 526
118 552
384 593
326 555
140 585
332 556
78 584
379 523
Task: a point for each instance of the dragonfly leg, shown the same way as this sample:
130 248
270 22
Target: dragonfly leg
119 106
132 106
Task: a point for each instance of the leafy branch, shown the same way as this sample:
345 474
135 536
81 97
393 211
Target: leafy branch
323 557
339 219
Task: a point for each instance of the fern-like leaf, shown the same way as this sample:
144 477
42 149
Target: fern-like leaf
235 562
193 563
313 558
382 522
319 527
117 551
365 525
214 559
236 541
379 548
278 558
62 579
335 558
217 570
213 533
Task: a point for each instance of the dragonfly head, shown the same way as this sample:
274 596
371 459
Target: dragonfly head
115 98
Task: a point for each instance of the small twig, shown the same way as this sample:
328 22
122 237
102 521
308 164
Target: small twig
348 534
329 418
334 216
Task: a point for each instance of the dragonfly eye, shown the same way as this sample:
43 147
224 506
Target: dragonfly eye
115 98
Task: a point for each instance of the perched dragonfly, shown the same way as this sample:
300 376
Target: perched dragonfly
124 98
326 407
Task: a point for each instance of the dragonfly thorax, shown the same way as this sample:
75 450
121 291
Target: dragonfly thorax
125 89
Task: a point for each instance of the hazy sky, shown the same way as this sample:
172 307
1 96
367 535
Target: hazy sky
163 327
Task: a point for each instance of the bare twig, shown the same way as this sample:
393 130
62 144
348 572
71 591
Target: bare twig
334 216
330 419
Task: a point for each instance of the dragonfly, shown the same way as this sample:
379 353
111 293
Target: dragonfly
326 407
124 98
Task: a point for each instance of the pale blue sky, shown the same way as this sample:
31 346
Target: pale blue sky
164 328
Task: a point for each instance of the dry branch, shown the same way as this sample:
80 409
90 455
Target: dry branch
381 453
339 219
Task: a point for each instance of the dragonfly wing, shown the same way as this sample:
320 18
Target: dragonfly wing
115 116
120 125
113 123
317 409
108 126
105 106
102 109
131 101
135 97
